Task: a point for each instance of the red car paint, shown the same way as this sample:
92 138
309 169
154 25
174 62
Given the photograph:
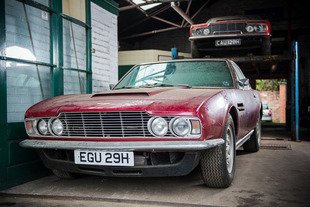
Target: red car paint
210 105
204 25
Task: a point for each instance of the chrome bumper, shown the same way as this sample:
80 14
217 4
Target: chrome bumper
226 36
124 146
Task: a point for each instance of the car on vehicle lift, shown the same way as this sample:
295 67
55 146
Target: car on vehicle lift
230 35
161 119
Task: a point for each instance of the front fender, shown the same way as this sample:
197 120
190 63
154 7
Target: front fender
213 114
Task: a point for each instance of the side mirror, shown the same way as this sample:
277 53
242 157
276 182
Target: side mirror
111 86
244 82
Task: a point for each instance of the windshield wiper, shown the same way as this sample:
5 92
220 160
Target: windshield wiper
184 85
164 85
124 87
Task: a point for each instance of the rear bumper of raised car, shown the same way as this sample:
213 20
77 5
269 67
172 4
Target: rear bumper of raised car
248 42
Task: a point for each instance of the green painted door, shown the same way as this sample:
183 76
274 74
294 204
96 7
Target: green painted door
3 160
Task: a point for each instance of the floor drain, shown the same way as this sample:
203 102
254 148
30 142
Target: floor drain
276 146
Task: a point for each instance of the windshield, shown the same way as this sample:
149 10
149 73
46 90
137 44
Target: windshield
189 74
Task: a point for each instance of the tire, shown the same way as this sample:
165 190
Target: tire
64 174
195 52
215 169
266 46
253 144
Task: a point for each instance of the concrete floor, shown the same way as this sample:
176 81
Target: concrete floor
267 178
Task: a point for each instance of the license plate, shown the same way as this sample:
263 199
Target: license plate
94 157
227 42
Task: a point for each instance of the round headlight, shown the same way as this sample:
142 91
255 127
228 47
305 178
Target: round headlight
181 127
249 28
57 127
259 28
198 32
158 126
42 127
206 31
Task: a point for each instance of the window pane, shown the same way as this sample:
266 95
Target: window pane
74 82
238 71
26 85
74 8
44 2
74 45
27 32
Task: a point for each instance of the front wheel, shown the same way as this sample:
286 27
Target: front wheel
218 163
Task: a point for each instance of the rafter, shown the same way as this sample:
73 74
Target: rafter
181 13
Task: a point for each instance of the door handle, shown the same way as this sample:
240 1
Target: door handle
254 95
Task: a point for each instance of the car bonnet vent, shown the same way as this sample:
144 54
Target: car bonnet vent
121 94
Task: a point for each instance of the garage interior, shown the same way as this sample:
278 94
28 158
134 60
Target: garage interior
57 47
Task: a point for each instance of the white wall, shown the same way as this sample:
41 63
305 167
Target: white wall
104 48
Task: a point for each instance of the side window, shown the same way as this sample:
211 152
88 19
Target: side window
240 74
238 71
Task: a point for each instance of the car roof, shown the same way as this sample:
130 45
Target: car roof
226 18
188 60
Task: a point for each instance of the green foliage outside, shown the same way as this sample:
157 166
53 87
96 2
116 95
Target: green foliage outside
269 85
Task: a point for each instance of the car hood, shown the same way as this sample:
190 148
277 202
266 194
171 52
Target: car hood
181 101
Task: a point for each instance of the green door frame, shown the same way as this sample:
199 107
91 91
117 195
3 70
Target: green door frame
3 102
89 79
56 48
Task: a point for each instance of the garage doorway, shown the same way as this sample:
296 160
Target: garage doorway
274 98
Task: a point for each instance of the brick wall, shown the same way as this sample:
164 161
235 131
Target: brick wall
272 98
277 103
105 48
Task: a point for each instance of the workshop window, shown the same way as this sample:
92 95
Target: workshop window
27 49
43 2
27 32
74 46
75 82
27 84
74 41
74 8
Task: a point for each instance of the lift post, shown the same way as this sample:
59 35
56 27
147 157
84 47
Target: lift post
295 93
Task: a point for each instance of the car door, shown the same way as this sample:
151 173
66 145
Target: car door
248 103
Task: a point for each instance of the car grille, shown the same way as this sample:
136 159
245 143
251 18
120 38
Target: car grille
107 124
227 28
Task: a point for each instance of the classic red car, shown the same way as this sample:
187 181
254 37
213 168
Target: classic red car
231 34
161 119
